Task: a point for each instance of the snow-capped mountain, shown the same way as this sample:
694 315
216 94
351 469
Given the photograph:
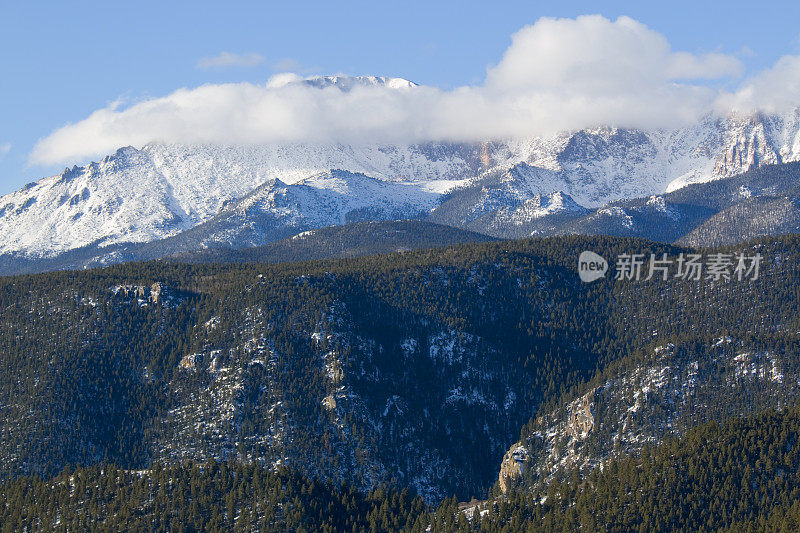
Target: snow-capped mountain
744 142
162 190
509 203
276 209
347 83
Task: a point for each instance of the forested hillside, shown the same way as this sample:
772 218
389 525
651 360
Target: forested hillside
348 240
740 475
200 497
414 369
737 476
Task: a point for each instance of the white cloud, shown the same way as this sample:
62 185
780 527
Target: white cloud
292 65
558 74
774 90
4 149
287 65
594 55
228 59
566 74
683 65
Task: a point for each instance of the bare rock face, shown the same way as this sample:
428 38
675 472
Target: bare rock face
142 293
748 148
329 402
155 292
191 362
512 467
670 390
581 417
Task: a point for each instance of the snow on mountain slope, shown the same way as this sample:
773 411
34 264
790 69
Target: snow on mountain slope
543 205
746 142
347 83
162 190
338 196
326 199
605 164
595 167
124 197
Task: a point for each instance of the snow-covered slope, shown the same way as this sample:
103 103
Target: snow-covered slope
745 142
346 83
162 190
510 203
275 209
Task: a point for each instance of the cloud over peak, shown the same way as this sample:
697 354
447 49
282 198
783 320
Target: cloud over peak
592 54
774 90
557 74
229 59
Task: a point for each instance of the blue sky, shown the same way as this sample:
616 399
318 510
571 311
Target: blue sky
59 62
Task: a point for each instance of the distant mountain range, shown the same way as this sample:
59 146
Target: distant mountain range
166 199
760 202
349 240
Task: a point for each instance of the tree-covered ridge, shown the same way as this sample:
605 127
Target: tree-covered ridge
348 240
199 497
651 396
735 476
740 475
414 369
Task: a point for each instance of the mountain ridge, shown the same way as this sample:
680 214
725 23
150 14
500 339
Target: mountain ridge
160 190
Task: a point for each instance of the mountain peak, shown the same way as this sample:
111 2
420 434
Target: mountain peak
343 83
347 83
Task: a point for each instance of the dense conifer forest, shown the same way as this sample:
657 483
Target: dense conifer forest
737 476
368 393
